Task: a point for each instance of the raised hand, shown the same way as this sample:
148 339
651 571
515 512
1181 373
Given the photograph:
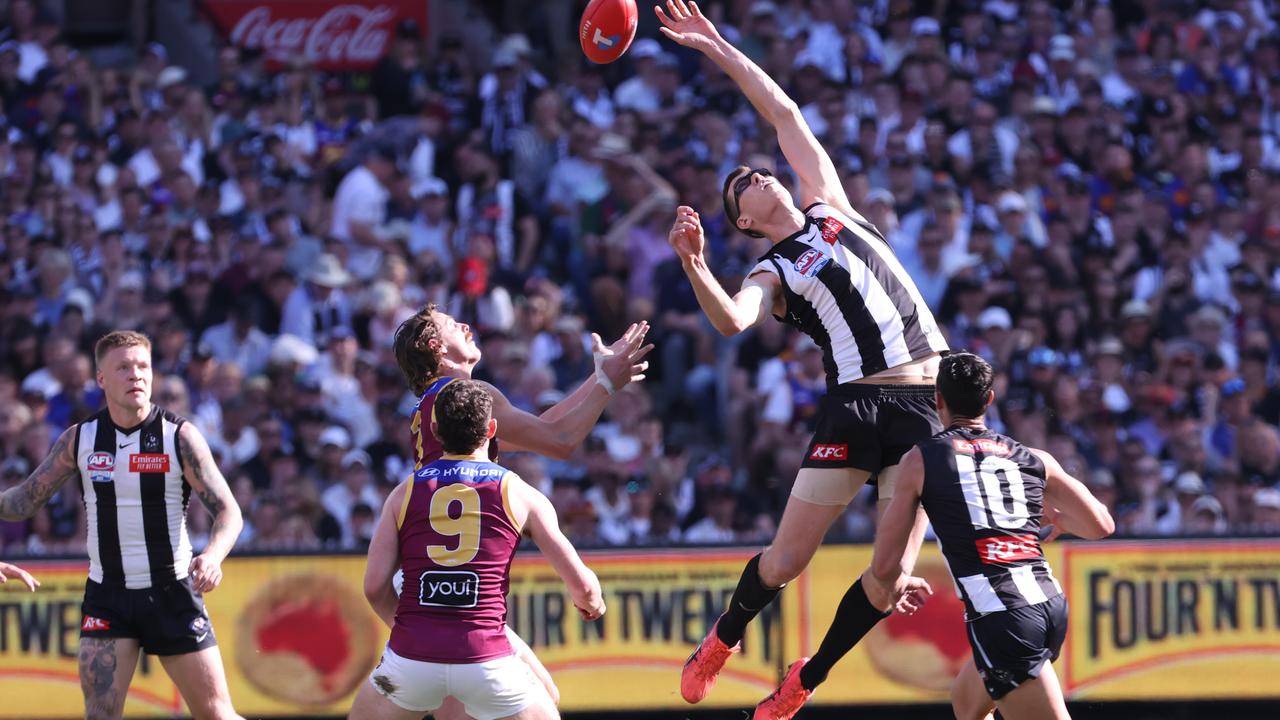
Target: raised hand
13 571
686 236
687 25
623 362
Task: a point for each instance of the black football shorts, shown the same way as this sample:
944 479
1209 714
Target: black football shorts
1012 646
167 619
870 427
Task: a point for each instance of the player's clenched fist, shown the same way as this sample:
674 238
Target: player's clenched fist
205 572
589 600
686 236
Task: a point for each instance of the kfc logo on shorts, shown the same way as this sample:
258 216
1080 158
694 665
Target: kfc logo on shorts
811 262
831 228
93 624
829 452
149 463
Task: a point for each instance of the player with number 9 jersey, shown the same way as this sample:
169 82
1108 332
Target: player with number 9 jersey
454 527
457 536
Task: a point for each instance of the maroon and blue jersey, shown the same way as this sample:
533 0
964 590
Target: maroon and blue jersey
457 537
426 447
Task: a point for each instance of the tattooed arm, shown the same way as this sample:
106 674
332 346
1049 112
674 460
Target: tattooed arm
206 479
21 502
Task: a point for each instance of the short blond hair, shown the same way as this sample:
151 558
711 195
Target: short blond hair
119 339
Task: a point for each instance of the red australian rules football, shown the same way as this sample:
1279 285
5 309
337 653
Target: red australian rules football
607 29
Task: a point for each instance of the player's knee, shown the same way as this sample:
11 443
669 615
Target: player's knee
963 704
779 566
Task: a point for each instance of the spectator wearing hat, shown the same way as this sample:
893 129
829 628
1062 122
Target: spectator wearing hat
506 94
344 400
574 359
355 486
1233 412
1266 511
717 526
1187 488
1205 517
640 92
318 306
995 339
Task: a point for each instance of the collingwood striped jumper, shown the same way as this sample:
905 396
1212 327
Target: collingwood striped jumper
984 494
845 288
135 500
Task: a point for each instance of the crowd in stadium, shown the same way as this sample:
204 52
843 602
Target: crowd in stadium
1087 195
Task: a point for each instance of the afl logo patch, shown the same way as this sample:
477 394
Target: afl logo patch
102 462
811 262
101 466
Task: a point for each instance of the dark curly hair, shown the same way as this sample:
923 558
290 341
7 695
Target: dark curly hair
462 412
417 359
964 380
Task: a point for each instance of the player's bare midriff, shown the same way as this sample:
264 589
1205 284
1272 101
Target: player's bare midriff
917 372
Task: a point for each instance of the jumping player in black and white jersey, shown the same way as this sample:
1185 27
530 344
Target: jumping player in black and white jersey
987 495
830 274
138 465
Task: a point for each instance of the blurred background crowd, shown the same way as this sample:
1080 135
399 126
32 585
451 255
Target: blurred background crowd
1087 193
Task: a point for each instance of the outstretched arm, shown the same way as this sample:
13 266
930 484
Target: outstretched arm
558 434
59 466
729 315
819 179
1070 506
202 473
8 571
544 528
890 570
616 365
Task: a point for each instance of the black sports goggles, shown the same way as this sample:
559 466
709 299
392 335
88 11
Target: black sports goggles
743 183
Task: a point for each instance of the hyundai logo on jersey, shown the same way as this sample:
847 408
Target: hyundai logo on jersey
449 588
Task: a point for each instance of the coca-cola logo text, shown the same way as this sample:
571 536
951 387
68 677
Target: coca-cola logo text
343 35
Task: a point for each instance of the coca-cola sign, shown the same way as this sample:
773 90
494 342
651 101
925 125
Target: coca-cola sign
331 35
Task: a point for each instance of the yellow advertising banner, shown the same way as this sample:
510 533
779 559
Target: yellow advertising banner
296 636
1149 620
1172 620
660 605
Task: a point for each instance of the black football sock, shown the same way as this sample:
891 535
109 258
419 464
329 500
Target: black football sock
749 598
854 618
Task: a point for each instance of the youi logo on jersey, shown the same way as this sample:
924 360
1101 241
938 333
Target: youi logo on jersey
449 588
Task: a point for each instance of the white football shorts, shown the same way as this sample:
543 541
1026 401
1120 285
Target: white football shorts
488 690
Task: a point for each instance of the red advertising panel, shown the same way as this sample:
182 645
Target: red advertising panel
331 34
